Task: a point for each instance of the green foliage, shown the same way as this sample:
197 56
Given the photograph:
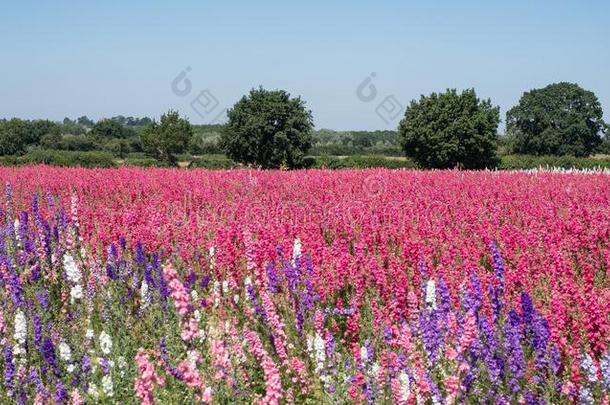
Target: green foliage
167 138
213 162
143 162
268 129
448 130
524 162
110 129
361 162
560 119
118 147
347 143
14 135
67 158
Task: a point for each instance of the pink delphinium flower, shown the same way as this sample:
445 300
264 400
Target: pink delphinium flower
273 382
276 324
177 290
144 383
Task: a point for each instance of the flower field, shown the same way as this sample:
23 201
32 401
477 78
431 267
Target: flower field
357 286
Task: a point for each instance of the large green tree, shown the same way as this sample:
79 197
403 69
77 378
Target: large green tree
164 139
448 130
268 129
560 119
14 136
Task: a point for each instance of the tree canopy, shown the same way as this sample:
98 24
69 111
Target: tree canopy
447 130
164 139
560 119
268 129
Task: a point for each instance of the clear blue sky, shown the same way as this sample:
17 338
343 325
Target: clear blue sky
72 58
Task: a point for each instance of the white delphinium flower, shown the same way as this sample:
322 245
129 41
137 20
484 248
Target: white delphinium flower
296 249
247 281
16 225
431 294
197 315
76 293
89 334
225 287
212 252
236 298
191 357
93 391
71 269
405 386
105 343
194 295
64 352
216 293
107 386
145 295
364 353
21 328
122 364
71 368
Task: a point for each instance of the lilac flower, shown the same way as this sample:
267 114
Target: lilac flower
589 369
86 364
605 366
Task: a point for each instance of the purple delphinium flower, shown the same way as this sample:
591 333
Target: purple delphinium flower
61 395
512 342
104 365
34 378
37 327
554 359
430 333
205 281
271 278
540 341
140 257
111 268
589 369
48 353
13 283
86 364
442 291
9 368
42 296
258 308
489 349
476 292
605 366
165 357
527 312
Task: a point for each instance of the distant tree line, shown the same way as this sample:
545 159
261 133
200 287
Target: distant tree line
272 129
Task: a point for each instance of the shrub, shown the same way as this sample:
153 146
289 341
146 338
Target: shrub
212 162
524 162
68 158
